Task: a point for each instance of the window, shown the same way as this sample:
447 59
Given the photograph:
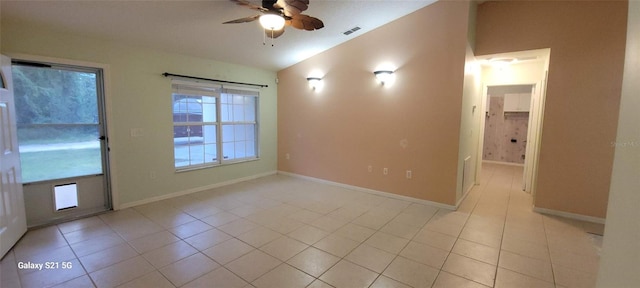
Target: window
210 120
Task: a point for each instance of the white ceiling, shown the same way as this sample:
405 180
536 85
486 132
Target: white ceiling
195 27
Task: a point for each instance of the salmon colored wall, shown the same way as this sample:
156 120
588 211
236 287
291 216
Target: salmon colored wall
587 41
353 122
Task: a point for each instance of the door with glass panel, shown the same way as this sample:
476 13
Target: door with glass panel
62 140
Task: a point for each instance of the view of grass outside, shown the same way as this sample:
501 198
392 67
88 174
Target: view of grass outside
57 115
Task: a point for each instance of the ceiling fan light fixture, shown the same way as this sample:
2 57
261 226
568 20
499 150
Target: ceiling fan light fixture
272 22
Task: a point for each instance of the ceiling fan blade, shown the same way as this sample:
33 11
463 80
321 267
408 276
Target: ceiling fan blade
306 22
243 20
292 7
274 33
249 5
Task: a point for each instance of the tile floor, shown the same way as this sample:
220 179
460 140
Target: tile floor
281 231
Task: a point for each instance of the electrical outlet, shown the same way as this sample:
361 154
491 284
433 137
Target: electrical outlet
287 156
409 174
370 168
385 171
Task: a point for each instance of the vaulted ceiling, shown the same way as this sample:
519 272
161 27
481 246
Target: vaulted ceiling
195 27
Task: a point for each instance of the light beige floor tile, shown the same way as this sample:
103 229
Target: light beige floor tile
444 227
425 254
574 278
219 277
189 229
319 284
346 274
107 257
138 229
305 216
228 251
370 257
471 269
60 254
411 273
153 279
387 242
88 233
56 275
308 234
283 276
284 225
329 224
81 282
447 280
284 248
313 261
237 227
121 273
476 251
336 245
386 282
97 244
253 265
188 269
168 254
355 232
509 279
153 241
435 239
400 229
524 265
245 210
9 271
526 248
420 210
207 239
259 236
581 262
483 237
411 220
373 220
80 224
219 219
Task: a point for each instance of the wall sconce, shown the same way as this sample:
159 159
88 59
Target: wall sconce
315 82
384 76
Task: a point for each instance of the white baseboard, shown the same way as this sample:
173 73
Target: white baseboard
371 191
464 195
194 190
574 216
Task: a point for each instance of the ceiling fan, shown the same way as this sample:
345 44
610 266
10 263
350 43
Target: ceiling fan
276 14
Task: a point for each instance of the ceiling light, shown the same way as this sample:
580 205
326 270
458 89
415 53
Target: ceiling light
383 76
272 22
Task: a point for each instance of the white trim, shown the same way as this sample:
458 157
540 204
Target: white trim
503 163
194 190
569 215
371 191
464 196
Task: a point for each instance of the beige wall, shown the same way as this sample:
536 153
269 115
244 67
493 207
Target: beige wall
141 98
353 122
620 260
587 41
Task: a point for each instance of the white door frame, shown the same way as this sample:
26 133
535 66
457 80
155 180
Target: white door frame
13 219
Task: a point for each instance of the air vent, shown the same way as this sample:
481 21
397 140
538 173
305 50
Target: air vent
354 29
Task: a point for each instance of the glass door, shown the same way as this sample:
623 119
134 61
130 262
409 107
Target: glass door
62 141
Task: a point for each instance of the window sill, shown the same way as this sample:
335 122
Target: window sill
225 163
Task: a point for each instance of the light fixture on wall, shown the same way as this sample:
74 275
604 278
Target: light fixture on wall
272 22
315 82
384 76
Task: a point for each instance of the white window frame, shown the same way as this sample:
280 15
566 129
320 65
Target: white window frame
199 88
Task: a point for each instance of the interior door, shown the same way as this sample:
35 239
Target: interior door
13 222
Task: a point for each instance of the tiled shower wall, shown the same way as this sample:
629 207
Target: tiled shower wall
500 128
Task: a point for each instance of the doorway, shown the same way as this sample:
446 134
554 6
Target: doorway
62 138
507 123
518 78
